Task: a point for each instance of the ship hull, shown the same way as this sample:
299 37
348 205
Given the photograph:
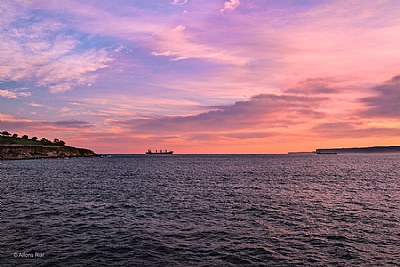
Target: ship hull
162 153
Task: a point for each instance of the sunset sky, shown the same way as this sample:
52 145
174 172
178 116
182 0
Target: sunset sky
202 76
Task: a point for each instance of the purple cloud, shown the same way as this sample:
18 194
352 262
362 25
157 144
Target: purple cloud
71 124
266 110
315 86
386 101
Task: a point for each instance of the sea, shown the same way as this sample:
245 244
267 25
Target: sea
202 210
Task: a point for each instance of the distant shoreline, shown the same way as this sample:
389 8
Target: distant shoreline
370 149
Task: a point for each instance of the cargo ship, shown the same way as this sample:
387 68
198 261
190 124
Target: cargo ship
159 152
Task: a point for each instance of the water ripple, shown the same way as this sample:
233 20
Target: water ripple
202 211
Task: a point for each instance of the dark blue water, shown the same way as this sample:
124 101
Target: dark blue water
192 210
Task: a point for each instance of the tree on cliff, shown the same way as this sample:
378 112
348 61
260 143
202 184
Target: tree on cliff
15 135
5 133
25 137
58 142
34 138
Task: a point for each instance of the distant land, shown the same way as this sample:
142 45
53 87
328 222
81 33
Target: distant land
371 149
14 147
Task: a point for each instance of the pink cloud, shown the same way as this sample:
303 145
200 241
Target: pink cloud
230 5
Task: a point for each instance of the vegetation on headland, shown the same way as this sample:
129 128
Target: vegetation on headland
14 147
7 138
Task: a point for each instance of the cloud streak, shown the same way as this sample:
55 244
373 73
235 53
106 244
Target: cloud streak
12 94
353 130
179 2
43 54
71 124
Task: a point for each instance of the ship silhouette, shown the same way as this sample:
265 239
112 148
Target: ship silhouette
159 152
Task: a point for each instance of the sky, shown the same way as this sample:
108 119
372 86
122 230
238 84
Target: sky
202 76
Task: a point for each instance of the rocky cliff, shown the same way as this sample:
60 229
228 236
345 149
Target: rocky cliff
37 151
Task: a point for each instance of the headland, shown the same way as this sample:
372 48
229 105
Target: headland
14 147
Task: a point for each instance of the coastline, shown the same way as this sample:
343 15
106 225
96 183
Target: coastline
16 152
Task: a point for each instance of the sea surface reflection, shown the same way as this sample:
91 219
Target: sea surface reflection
202 210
